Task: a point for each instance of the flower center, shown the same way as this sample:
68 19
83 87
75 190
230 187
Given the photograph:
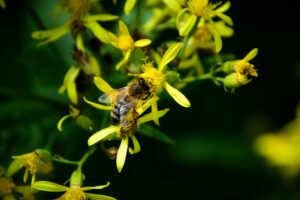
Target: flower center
197 7
5 186
74 193
125 42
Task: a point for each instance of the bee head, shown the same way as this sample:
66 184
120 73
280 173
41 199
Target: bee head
143 84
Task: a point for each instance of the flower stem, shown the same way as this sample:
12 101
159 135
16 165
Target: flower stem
85 157
60 159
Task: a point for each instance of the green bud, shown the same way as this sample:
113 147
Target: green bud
234 80
77 178
228 67
173 77
44 154
84 122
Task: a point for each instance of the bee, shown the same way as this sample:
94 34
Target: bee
125 101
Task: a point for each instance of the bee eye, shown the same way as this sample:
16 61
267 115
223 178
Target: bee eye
143 84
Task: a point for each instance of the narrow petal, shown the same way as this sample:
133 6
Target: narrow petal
152 116
145 106
79 43
225 18
223 8
173 5
15 166
136 146
95 68
96 137
122 152
123 28
252 54
170 54
72 92
217 40
101 17
98 31
188 25
129 4
155 109
98 187
26 174
177 95
50 35
142 43
60 122
97 105
98 197
49 186
121 64
102 85
180 19
70 76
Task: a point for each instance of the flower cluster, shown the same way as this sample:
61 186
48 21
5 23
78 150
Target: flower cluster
129 57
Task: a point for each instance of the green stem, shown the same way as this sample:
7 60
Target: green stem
60 159
85 157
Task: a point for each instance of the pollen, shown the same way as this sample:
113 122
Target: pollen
74 193
6 186
154 77
125 42
197 7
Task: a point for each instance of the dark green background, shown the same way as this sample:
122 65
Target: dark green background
213 156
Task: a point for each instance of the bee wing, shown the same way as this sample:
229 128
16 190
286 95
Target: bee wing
109 98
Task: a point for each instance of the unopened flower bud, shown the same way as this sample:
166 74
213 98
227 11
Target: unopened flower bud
235 80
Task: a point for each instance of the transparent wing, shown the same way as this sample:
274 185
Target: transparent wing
109 98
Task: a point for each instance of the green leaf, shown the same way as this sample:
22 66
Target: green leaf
150 131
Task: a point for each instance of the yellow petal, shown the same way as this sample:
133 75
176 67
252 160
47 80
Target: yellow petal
97 105
122 152
177 95
69 78
49 186
102 85
15 166
217 38
129 4
98 197
187 26
95 68
60 122
225 18
72 92
98 187
155 109
101 17
142 43
152 116
252 54
26 174
169 55
50 35
123 28
98 31
180 18
136 146
223 8
79 43
173 5
96 137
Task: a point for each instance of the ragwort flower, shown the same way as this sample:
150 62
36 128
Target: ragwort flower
36 162
78 20
8 189
119 131
125 43
75 191
239 71
197 13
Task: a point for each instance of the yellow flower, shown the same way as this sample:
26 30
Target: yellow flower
75 191
157 78
124 133
239 71
125 43
197 13
37 162
79 20
2 3
8 189
81 120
